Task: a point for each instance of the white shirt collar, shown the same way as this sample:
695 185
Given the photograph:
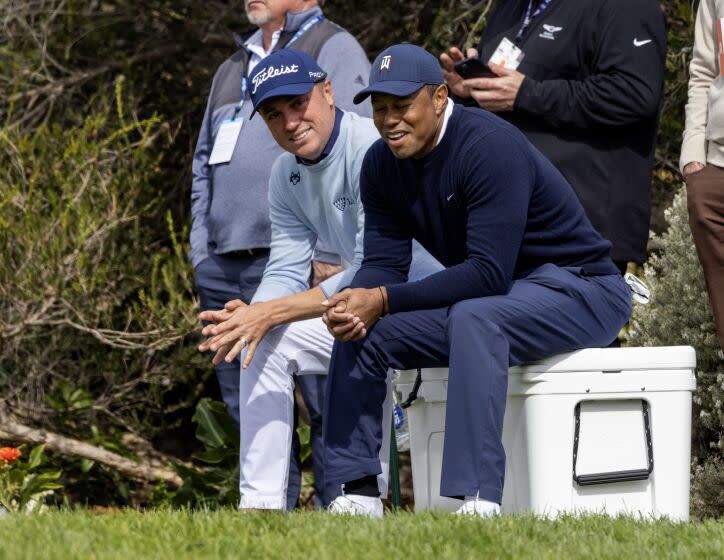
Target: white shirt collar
256 48
446 117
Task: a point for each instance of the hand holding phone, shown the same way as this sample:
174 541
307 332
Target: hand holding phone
473 68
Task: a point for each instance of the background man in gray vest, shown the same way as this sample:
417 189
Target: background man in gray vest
230 232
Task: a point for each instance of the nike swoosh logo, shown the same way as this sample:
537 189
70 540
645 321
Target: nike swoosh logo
638 43
449 197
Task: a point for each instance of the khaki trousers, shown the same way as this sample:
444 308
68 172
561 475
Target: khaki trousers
266 409
705 190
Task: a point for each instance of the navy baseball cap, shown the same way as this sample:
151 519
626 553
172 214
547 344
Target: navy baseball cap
401 70
283 72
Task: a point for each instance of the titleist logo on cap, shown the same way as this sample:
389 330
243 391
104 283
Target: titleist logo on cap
272 72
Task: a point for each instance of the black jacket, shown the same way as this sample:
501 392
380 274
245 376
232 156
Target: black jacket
590 102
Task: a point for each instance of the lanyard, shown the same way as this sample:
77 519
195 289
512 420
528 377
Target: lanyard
529 17
304 28
301 31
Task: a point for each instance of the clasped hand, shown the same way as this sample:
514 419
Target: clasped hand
352 312
236 326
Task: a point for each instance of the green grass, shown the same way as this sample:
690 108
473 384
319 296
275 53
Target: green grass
178 535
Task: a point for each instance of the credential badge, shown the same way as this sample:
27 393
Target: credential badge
385 65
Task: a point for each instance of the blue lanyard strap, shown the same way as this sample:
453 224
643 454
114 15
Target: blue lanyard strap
301 31
529 16
304 28
244 88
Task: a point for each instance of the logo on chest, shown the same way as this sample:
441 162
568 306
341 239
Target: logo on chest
549 32
342 203
295 177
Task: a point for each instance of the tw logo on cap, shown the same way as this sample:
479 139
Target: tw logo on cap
385 64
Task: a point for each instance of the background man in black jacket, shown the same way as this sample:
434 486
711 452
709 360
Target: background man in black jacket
587 94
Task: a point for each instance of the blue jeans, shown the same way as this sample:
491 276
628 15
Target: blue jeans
221 278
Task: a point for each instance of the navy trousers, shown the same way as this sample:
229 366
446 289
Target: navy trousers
552 310
221 278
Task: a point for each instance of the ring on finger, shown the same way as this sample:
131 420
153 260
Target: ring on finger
243 341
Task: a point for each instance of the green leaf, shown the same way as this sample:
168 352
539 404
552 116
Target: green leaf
214 427
123 489
80 399
305 438
36 457
216 455
37 484
16 476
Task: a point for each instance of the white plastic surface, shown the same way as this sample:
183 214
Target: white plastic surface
539 428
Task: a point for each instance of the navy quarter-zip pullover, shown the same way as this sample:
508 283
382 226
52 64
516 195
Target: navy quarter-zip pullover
484 202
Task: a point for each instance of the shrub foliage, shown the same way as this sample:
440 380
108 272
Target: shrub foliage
680 314
95 301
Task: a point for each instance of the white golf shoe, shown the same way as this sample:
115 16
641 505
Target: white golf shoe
353 504
472 505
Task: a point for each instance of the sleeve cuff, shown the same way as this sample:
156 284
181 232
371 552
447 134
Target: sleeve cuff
327 257
270 292
197 256
338 282
399 298
523 100
693 149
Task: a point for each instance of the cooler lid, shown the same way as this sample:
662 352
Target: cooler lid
614 359
677 359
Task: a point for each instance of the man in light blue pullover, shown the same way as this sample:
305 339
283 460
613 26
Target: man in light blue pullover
230 231
313 197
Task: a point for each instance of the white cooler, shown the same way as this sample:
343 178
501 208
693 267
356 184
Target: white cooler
597 430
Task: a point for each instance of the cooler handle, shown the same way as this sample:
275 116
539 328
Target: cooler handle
614 476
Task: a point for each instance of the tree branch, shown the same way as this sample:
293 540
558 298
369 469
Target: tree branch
57 87
68 446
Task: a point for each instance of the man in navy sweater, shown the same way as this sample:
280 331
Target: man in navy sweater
526 277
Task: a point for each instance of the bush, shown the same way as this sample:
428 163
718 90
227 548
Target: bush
95 308
679 313
708 489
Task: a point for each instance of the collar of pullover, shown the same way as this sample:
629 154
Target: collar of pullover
445 119
450 111
338 113
295 20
